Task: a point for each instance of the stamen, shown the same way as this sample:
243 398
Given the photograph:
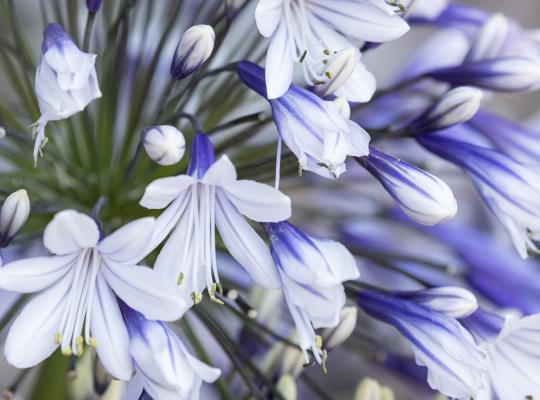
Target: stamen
180 279
92 342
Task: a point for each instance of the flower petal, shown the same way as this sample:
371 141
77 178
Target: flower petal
160 193
279 63
31 337
145 290
127 245
359 140
221 172
245 245
70 231
34 274
110 332
258 201
268 16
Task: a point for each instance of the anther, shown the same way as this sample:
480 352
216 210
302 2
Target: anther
329 74
303 56
79 344
180 279
92 342
57 338
323 363
67 351
196 297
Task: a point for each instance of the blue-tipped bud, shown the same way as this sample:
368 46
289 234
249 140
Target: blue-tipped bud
93 5
194 48
455 302
202 156
164 144
13 215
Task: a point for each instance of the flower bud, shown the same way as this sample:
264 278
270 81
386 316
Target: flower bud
286 386
453 108
370 389
336 336
194 48
425 198
453 301
13 215
337 71
164 144
93 5
490 40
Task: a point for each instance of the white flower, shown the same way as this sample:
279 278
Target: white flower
66 80
307 31
194 48
209 196
78 287
167 369
164 144
337 71
13 215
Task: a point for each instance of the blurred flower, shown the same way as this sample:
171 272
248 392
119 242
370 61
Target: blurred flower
455 302
336 336
164 144
194 48
286 385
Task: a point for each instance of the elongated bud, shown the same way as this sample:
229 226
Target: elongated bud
505 74
425 198
490 39
370 389
287 387
334 337
93 5
13 215
164 144
194 48
453 108
455 302
337 71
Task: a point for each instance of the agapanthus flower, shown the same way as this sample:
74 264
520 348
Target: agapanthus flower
78 286
315 130
208 196
308 31
66 80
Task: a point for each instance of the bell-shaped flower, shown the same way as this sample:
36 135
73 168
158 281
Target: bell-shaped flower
13 215
66 80
455 302
308 31
208 196
313 129
167 369
78 288
423 197
311 271
456 366
164 144
194 48
510 189
513 352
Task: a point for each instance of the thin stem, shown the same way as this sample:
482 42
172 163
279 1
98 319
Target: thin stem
255 117
278 163
88 31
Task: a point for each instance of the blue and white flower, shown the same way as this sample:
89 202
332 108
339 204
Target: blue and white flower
194 48
164 144
455 302
311 271
66 80
167 369
456 366
315 130
78 288
307 31
208 196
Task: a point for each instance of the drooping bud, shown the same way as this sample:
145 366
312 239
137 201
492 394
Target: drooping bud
455 302
336 336
194 48
490 39
286 386
453 108
13 215
337 71
164 144
93 5
425 198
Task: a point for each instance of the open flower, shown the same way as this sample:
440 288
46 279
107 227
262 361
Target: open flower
78 285
210 195
66 80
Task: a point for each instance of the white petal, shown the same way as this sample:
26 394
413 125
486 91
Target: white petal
70 231
359 140
221 172
245 245
360 86
31 337
127 245
110 333
160 193
203 371
336 148
34 274
145 290
268 16
279 63
258 201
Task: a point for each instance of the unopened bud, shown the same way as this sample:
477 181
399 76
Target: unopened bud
194 48
490 39
93 5
286 386
164 144
453 108
334 337
13 215
338 69
452 301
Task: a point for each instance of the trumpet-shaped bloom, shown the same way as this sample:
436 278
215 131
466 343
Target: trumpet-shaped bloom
456 366
78 288
66 80
208 196
510 189
167 369
307 31
314 129
311 271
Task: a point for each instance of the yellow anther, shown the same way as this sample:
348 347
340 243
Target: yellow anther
220 289
67 351
92 342
318 341
180 279
196 297
324 358
326 52
57 338
329 74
